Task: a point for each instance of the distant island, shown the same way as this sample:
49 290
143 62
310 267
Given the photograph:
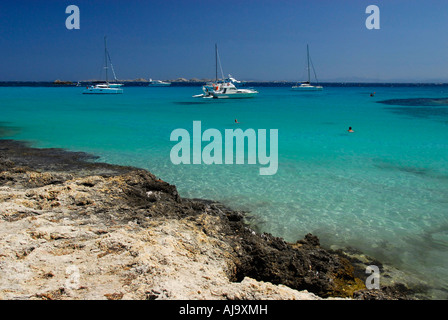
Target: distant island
147 80
62 82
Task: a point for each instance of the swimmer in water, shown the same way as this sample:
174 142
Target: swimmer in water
350 129
236 121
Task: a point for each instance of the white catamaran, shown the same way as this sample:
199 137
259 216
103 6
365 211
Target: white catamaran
224 88
107 87
306 85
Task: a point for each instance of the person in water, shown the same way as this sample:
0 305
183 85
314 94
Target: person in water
236 121
350 129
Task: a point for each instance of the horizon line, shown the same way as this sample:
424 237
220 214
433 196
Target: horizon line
193 80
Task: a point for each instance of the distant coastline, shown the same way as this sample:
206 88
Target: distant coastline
179 82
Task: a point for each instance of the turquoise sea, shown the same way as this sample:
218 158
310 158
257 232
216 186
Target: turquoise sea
382 189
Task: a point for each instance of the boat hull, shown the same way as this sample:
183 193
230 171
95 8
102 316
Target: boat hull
310 88
214 95
203 95
244 95
226 90
103 91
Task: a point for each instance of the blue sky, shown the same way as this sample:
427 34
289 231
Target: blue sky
257 39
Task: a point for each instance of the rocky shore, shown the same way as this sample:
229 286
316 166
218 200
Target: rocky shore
72 228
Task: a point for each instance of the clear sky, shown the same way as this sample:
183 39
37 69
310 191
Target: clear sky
257 39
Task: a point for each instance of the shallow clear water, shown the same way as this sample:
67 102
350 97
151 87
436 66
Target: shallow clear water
382 189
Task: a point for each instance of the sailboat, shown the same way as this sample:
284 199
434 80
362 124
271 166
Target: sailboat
107 87
224 88
306 86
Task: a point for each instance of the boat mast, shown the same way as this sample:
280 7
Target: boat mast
308 58
216 62
105 57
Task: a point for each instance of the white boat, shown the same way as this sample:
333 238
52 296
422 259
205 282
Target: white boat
102 88
306 85
158 83
107 87
224 89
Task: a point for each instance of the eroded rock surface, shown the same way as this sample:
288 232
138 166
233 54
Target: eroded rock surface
71 228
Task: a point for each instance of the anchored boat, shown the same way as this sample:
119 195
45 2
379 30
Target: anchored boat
224 88
306 85
158 83
105 88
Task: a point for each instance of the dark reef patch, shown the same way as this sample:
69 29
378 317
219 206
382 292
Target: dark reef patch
20 154
419 107
6 130
417 171
428 112
429 102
